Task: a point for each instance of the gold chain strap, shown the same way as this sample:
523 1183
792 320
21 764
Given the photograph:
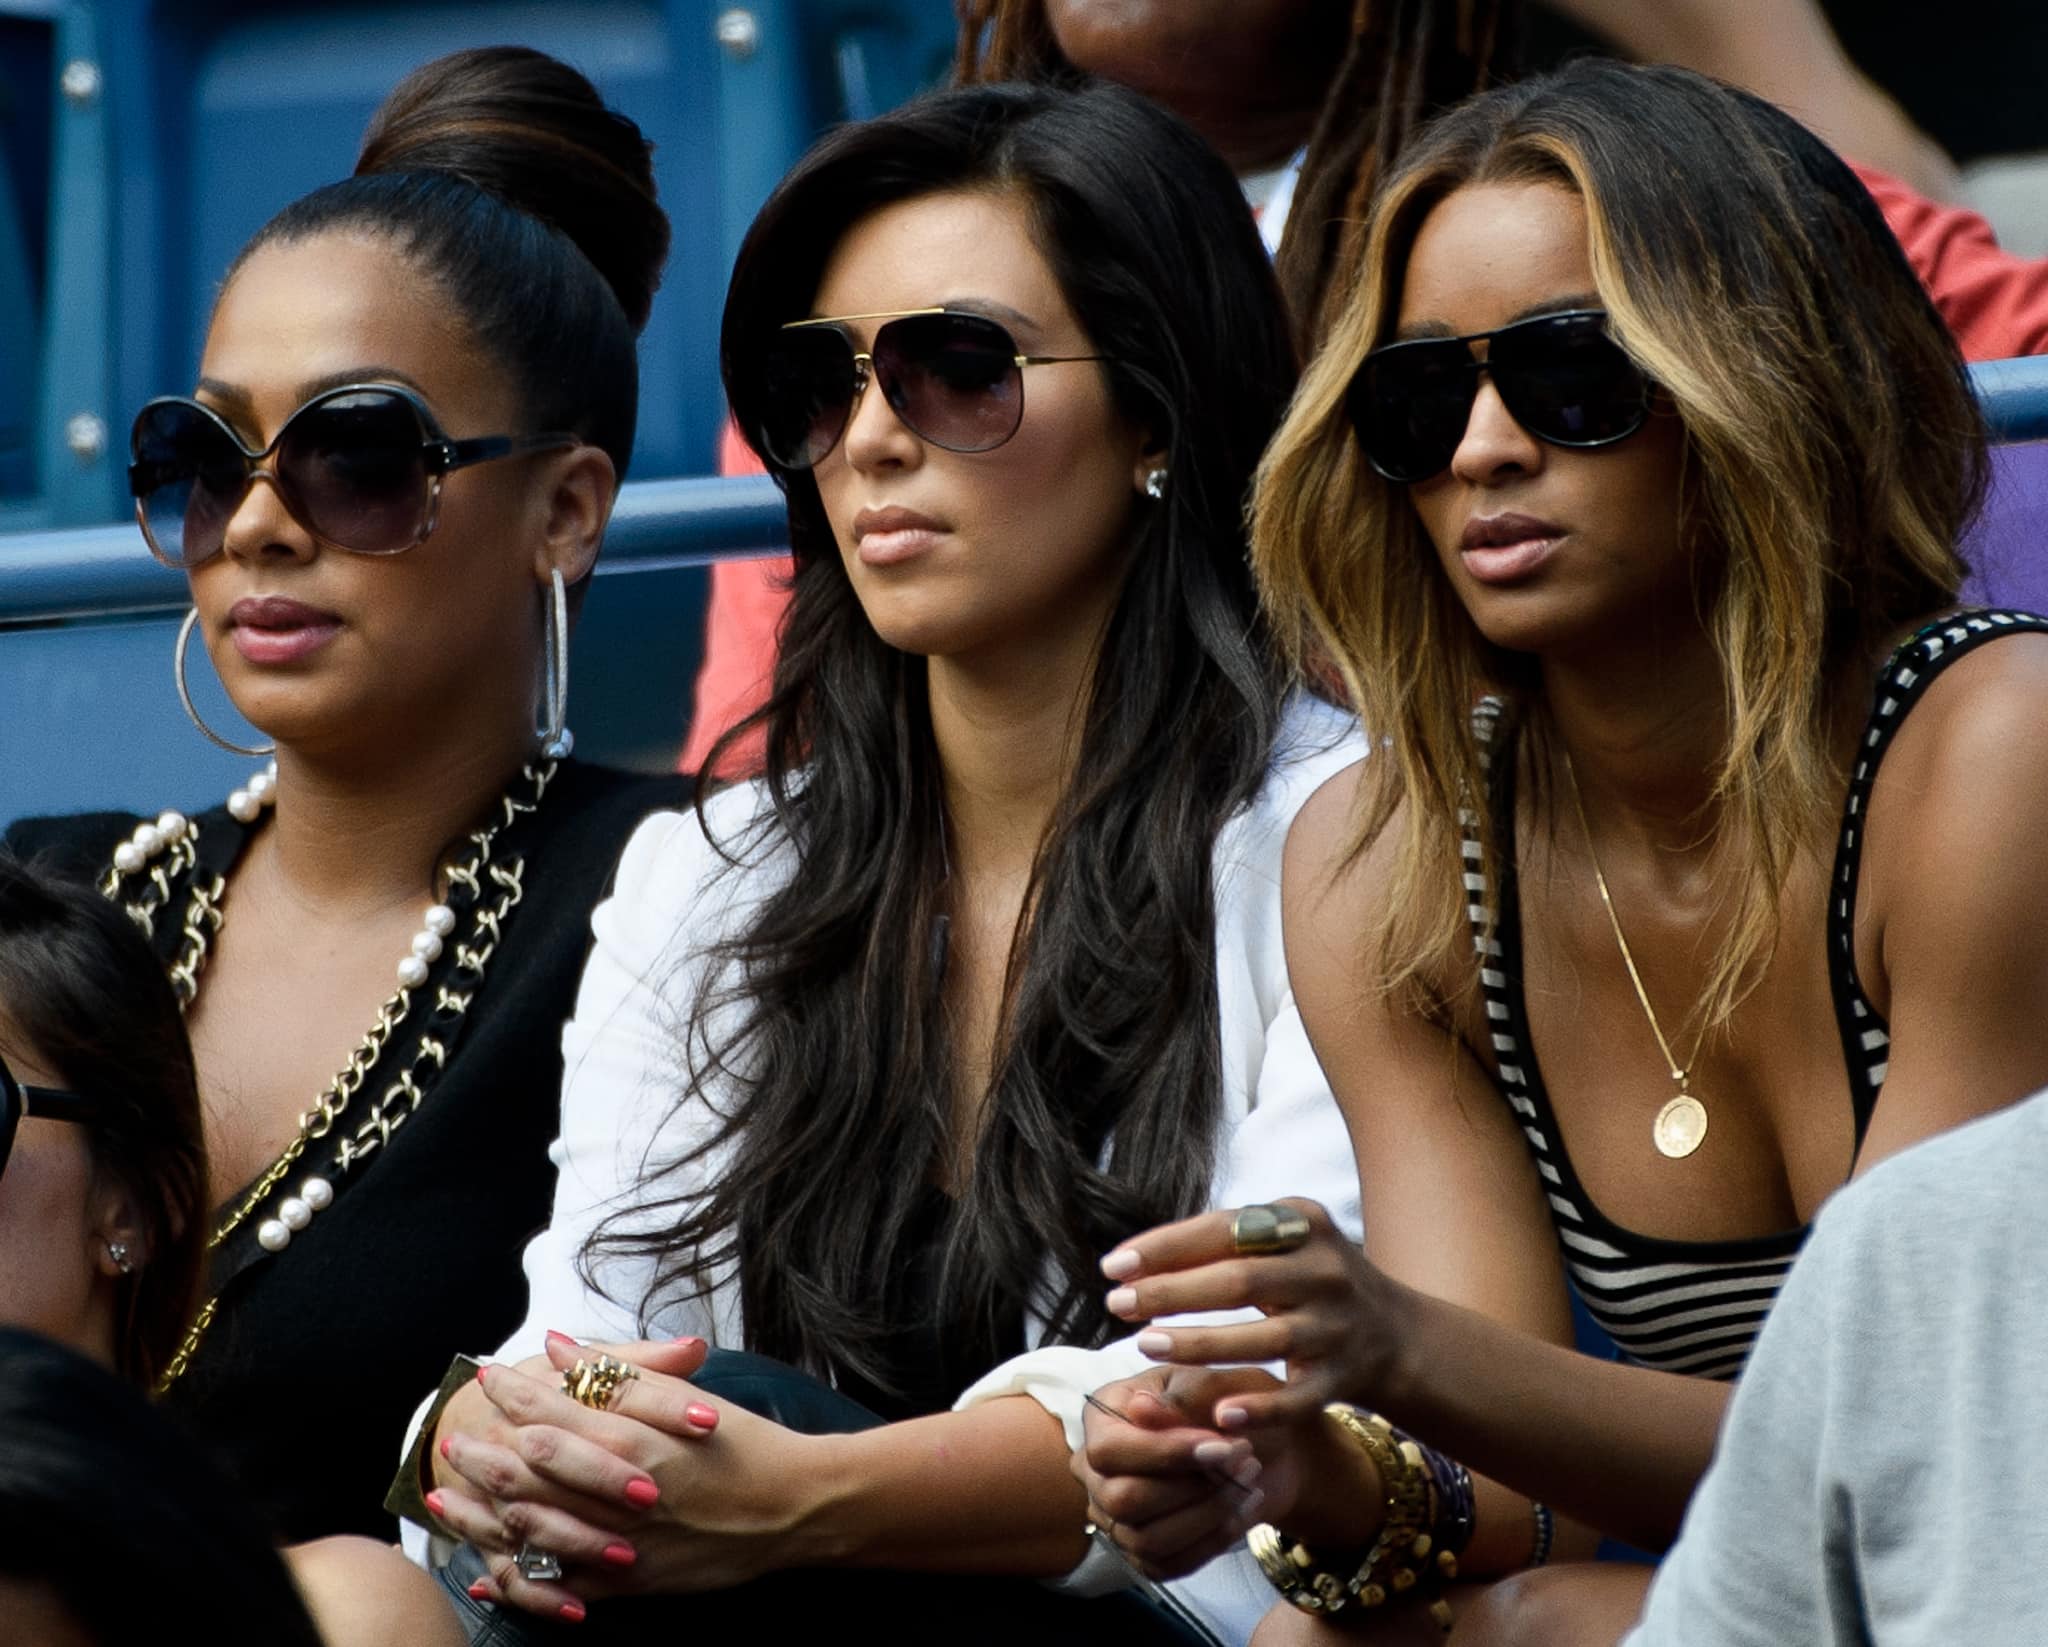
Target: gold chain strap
203 919
155 892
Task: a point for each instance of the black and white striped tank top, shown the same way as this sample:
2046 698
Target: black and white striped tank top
1696 1306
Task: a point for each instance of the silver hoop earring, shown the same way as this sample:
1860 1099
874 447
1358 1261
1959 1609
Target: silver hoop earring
556 740
118 1252
1155 484
255 752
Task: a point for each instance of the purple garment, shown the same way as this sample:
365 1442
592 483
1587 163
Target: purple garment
2007 547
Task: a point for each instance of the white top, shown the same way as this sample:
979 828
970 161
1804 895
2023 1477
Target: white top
675 896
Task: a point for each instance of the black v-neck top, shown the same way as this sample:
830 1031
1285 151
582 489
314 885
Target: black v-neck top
310 1370
1696 1306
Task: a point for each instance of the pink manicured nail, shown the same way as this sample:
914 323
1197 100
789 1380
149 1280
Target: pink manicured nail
479 1591
573 1611
1121 1264
1123 1301
447 1447
1230 1418
434 1502
641 1491
620 1555
562 1338
1155 1343
705 1418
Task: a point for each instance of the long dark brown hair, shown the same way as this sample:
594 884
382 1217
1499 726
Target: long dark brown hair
1402 61
817 1035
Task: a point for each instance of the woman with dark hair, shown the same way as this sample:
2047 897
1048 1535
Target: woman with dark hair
985 973
1628 512
415 403
90 1035
102 1240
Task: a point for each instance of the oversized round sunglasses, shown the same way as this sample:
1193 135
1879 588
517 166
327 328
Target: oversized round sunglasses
1561 377
358 466
17 1100
953 379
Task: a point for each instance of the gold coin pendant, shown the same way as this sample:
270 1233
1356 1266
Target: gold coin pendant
1680 1127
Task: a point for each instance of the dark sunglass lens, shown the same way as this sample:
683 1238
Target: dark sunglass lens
1409 404
804 393
354 465
188 476
1566 381
952 379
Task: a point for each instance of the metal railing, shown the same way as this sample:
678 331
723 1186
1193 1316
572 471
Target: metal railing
103 571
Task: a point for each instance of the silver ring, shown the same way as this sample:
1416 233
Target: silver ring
536 1565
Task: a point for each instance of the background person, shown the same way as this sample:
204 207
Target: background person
376 941
102 1238
1747 772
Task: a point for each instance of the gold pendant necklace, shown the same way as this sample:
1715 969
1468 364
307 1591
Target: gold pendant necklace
1681 1125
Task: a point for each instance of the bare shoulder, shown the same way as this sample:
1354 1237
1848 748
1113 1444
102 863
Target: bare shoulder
1972 757
365 1594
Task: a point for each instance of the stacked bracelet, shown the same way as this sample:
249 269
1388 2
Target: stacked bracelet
1425 1526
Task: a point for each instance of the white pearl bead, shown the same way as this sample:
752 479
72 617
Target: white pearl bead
243 806
171 826
149 840
440 920
412 972
426 946
317 1193
263 786
128 857
273 1236
294 1214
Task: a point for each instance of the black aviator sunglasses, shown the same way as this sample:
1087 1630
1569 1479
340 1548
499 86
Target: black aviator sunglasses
358 466
953 379
17 1100
1561 377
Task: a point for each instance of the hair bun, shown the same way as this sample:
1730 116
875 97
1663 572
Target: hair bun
533 132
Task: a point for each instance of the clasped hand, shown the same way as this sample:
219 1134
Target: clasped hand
669 1490
1178 1462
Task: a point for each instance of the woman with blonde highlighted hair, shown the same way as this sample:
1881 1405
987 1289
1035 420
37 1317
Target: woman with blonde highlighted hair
1699 872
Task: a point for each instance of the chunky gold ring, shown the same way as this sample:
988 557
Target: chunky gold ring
1259 1230
595 1383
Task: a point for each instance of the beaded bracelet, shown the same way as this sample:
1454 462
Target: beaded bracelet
1426 1525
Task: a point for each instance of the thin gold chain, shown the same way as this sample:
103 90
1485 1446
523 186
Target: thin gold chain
1682 1074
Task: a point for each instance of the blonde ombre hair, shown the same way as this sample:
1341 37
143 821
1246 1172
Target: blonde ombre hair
1833 454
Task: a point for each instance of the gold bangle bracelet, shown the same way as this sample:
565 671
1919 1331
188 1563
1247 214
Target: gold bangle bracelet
407 1495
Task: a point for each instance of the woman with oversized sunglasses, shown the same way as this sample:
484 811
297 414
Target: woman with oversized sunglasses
416 399
1702 871
875 1056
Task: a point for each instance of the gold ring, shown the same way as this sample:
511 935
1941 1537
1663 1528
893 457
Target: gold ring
1259 1230
595 1383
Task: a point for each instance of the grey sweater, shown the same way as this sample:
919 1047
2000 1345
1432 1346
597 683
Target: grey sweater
1882 1475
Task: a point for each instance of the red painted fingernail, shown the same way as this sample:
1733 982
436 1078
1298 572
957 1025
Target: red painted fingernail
642 1491
434 1502
705 1418
479 1591
620 1555
447 1447
562 1338
573 1611
480 1373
